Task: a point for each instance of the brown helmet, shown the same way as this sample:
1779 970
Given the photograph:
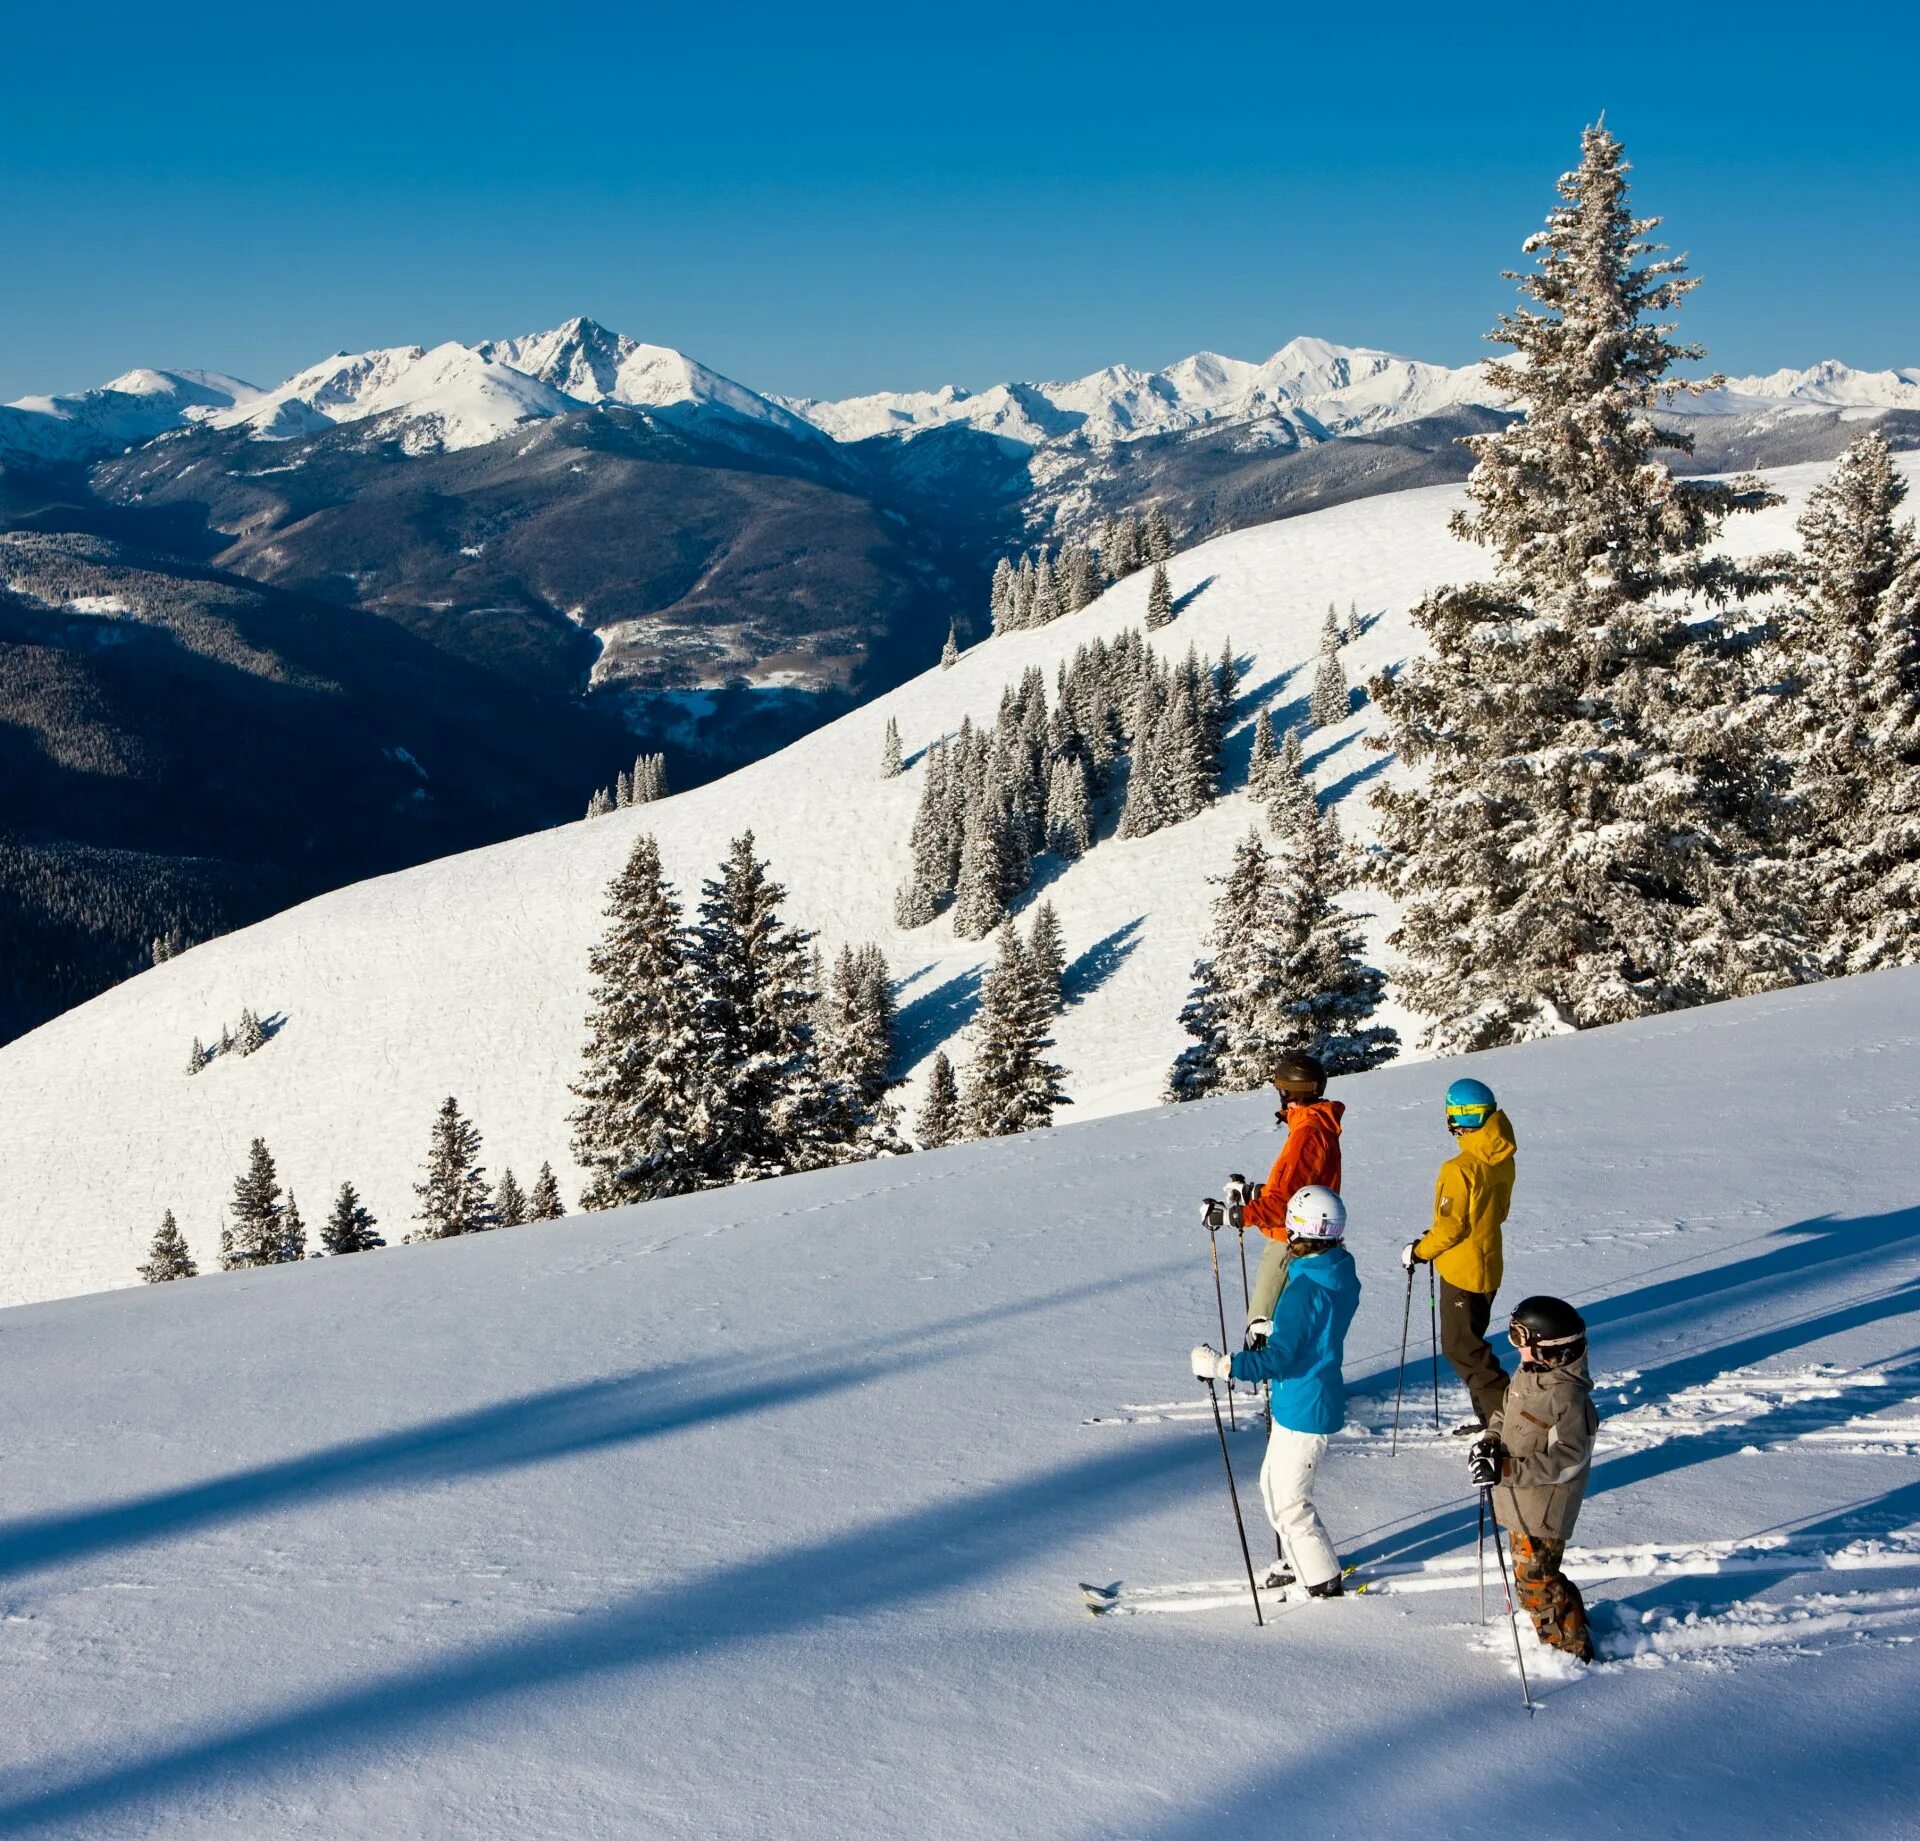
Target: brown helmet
1298 1076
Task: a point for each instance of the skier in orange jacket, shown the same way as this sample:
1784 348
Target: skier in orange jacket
1309 1157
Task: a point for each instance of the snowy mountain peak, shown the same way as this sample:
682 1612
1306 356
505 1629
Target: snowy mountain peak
1826 385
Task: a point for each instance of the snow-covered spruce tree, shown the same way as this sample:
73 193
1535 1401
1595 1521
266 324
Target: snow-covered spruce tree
1047 956
1157 540
980 899
1159 599
1232 1010
1582 843
509 1201
168 1258
1069 816
251 1036
1000 597
890 756
543 1202
950 652
197 1057
252 1236
1290 797
600 804
853 1034
1183 769
1264 758
1011 1086
350 1225
293 1232
453 1189
1079 580
1852 712
769 1108
1226 682
649 778
638 1129
1048 605
1328 994
1332 700
938 1121
1144 813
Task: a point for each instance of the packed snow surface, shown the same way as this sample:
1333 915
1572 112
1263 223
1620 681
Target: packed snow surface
763 1513
469 976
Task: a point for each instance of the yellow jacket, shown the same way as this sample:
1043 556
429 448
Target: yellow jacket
1470 1201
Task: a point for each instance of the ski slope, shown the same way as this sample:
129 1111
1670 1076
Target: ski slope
469 976
761 1513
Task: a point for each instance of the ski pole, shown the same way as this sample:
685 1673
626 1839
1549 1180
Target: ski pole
1481 1543
1406 1320
1500 1553
1220 1303
1246 1553
1246 1290
1433 1322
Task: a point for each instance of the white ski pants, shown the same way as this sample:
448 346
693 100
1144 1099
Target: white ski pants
1286 1488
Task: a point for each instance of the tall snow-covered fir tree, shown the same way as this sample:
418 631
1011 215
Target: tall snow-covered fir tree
1264 758
890 750
1159 599
1047 955
1290 798
986 852
1079 583
950 652
1586 839
853 1028
1069 815
252 1234
1158 537
938 1121
1852 715
509 1202
293 1232
350 1225
168 1258
543 1201
1332 701
453 1187
1011 1086
1232 1011
639 1129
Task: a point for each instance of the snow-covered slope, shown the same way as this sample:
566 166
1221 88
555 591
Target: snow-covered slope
468 976
131 409
1327 389
760 1514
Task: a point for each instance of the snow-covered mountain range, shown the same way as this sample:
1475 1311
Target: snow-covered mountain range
449 397
469 975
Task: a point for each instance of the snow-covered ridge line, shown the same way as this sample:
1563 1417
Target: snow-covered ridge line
457 396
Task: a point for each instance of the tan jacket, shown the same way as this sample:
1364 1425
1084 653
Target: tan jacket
1547 1424
1470 1202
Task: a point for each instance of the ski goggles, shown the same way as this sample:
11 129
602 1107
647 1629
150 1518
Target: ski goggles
1467 1118
1523 1338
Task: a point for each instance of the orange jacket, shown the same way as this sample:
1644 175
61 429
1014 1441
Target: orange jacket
1311 1154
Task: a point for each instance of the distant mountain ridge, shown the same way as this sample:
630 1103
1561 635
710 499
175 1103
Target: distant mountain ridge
449 397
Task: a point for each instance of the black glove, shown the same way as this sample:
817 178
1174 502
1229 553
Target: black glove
1236 1216
1485 1462
1213 1215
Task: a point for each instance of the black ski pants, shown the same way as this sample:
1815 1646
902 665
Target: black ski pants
1464 1316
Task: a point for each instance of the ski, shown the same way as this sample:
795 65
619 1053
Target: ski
1198 1595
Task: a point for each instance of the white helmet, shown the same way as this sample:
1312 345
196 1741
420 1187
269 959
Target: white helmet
1316 1214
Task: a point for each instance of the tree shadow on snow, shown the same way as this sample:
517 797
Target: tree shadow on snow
1086 973
931 1018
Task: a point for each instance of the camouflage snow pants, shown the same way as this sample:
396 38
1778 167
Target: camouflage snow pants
1550 1598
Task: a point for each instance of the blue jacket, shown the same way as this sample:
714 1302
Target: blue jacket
1303 1354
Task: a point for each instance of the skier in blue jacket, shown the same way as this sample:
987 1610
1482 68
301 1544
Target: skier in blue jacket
1301 1357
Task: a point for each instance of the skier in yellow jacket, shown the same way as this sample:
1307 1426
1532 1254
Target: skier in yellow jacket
1470 1202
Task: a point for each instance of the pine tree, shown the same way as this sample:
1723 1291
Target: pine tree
768 1107
1159 599
1158 541
293 1232
1184 766
251 1037
938 1121
1226 681
1047 955
197 1057
638 1129
928 882
649 779
544 1204
1580 847
1231 1009
452 1189
1069 817
1011 1086
1290 798
1079 582
950 652
253 1235
1852 715
169 1257
1332 701
1143 812
980 895
509 1202
1047 603
600 804
890 751
1264 758
1000 596
350 1225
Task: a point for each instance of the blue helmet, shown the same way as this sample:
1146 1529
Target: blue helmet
1470 1104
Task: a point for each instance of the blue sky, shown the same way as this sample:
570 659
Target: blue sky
836 198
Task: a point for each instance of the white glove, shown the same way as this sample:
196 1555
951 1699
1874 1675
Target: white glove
1409 1256
1258 1330
1208 1366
